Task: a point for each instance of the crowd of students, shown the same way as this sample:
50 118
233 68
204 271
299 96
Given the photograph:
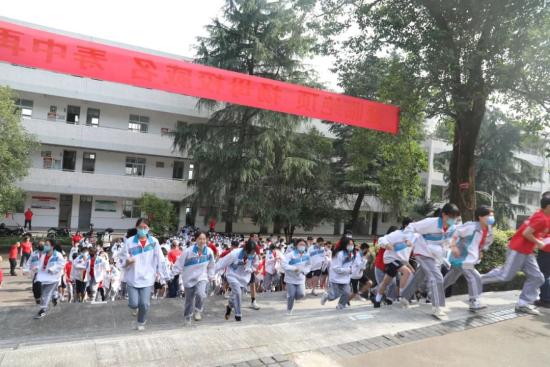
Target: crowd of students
422 258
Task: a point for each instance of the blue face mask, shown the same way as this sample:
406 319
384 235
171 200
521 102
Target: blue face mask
47 248
451 222
142 232
301 248
491 220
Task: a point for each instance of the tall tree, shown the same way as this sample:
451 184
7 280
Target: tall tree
261 38
465 53
161 213
15 148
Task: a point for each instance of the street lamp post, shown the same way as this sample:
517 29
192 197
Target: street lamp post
490 196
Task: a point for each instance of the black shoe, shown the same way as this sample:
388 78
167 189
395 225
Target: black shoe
376 304
228 312
37 301
40 314
348 304
237 318
54 302
541 303
388 302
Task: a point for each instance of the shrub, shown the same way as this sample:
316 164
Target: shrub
496 254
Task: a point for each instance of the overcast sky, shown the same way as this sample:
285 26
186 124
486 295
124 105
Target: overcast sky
165 25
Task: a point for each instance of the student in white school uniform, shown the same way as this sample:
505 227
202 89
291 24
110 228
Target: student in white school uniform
239 265
141 259
430 249
317 255
397 252
297 264
273 259
197 267
469 240
49 268
344 259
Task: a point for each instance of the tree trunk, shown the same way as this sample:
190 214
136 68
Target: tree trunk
355 212
230 214
462 165
277 226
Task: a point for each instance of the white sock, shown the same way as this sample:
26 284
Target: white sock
401 290
378 297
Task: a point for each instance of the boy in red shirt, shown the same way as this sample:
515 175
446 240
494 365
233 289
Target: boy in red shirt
28 218
520 257
14 249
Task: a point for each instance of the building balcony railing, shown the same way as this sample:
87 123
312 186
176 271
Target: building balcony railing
100 138
78 183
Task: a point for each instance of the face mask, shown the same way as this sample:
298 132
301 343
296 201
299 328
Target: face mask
47 248
85 255
40 248
301 248
491 220
349 248
451 221
142 232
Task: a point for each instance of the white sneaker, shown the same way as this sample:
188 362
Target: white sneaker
404 302
135 312
254 306
475 305
140 327
313 293
340 306
198 316
289 312
438 312
324 298
528 309
187 322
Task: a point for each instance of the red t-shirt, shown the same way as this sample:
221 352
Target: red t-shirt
225 252
68 269
26 247
213 248
76 238
484 233
92 264
540 223
173 255
13 252
28 215
379 261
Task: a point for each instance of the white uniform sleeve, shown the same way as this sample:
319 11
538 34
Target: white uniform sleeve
286 262
177 268
225 261
211 268
338 267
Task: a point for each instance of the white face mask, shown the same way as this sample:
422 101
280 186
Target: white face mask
301 248
349 248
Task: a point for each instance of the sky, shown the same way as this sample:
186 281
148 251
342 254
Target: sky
164 25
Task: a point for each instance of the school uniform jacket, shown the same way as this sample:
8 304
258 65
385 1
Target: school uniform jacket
195 266
239 266
272 261
296 266
317 255
359 267
341 266
52 271
147 262
468 238
400 252
433 240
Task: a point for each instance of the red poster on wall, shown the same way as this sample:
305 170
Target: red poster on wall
31 47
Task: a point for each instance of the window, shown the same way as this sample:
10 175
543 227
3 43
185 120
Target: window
190 173
177 172
25 106
438 193
159 165
130 209
528 197
73 114
138 123
46 159
88 162
69 160
92 117
135 166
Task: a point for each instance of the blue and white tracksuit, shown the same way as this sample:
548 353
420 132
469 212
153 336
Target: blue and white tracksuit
468 238
49 275
197 268
317 256
341 268
240 267
272 264
141 274
296 265
430 249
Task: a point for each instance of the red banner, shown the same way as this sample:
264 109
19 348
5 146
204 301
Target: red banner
45 50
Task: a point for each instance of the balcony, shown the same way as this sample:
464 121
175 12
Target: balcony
64 182
100 138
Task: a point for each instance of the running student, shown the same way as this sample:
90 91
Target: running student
520 257
272 265
430 249
49 269
397 251
240 264
360 283
317 255
469 240
379 273
344 258
141 259
296 264
197 267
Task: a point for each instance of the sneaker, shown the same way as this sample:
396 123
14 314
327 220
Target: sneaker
324 299
438 312
376 304
388 302
254 306
140 327
528 309
475 305
404 302
198 316
187 322
313 293
340 306
40 314
227 312
289 312
54 302
237 318
135 312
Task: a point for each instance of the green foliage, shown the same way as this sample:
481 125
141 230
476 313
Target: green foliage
15 148
161 214
495 256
